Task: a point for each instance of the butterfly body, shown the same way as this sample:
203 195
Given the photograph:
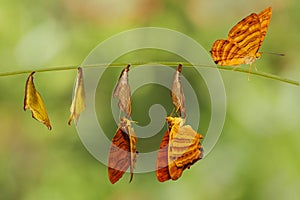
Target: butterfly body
244 40
248 60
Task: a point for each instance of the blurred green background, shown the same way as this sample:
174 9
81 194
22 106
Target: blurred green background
256 157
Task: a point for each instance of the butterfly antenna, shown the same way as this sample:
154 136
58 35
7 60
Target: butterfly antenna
133 121
274 54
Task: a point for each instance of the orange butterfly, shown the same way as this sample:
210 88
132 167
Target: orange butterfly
179 150
244 41
122 152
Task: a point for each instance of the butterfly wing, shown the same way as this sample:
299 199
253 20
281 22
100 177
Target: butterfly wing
185 149
174 150
244 40
247 34
119 156
162 170
193 149
163 161
264 18
125 126
133 152
226 53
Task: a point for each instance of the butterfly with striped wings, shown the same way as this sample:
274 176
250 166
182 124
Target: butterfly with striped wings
243 42
179 149
123 152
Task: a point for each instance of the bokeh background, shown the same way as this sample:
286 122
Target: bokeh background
256 157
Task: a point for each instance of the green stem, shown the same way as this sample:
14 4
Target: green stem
72 67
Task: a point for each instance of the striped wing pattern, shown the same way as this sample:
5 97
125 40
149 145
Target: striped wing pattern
119 156
265 18
122 153
244 40
180 149
184 150
226 53
162 170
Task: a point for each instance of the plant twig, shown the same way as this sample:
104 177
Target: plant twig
73 67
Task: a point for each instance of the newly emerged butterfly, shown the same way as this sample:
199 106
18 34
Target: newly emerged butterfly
179 150
123 152
35 103
243 42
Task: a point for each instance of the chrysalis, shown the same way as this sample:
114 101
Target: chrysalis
177 92
122 92
34 102
78 102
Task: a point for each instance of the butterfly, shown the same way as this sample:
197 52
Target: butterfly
243 42
179 150
123 152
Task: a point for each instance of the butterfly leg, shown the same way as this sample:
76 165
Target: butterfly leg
120 114
255 66
183 112
172 112
235 67
178 112
249 72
